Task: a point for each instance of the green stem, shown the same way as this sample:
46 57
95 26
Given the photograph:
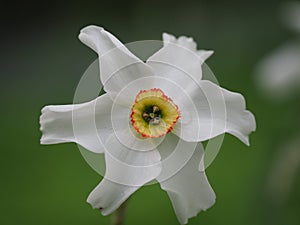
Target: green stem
120 214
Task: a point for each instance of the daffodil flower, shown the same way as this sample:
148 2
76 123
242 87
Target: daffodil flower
150 122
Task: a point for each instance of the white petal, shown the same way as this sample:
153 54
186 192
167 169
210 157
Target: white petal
175 154
219 111
118 66
178 58
204 54
86 123
130 167
183 41
126 171
108 196
189 189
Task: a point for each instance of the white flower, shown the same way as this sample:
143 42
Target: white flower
150 122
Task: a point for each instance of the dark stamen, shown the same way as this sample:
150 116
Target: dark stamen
152 115
155 109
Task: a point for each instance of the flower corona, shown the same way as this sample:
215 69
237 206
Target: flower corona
153 113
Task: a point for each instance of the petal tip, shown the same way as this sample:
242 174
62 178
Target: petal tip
42 141
91 200
90 28
167 38
89 34
205 54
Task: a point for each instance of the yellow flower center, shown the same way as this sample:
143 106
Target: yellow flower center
153 113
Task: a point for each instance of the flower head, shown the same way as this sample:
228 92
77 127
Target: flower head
150 122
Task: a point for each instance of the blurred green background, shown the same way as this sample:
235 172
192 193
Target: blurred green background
42 61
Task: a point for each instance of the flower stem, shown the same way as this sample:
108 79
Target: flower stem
120 214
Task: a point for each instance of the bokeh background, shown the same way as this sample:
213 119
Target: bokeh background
42 61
